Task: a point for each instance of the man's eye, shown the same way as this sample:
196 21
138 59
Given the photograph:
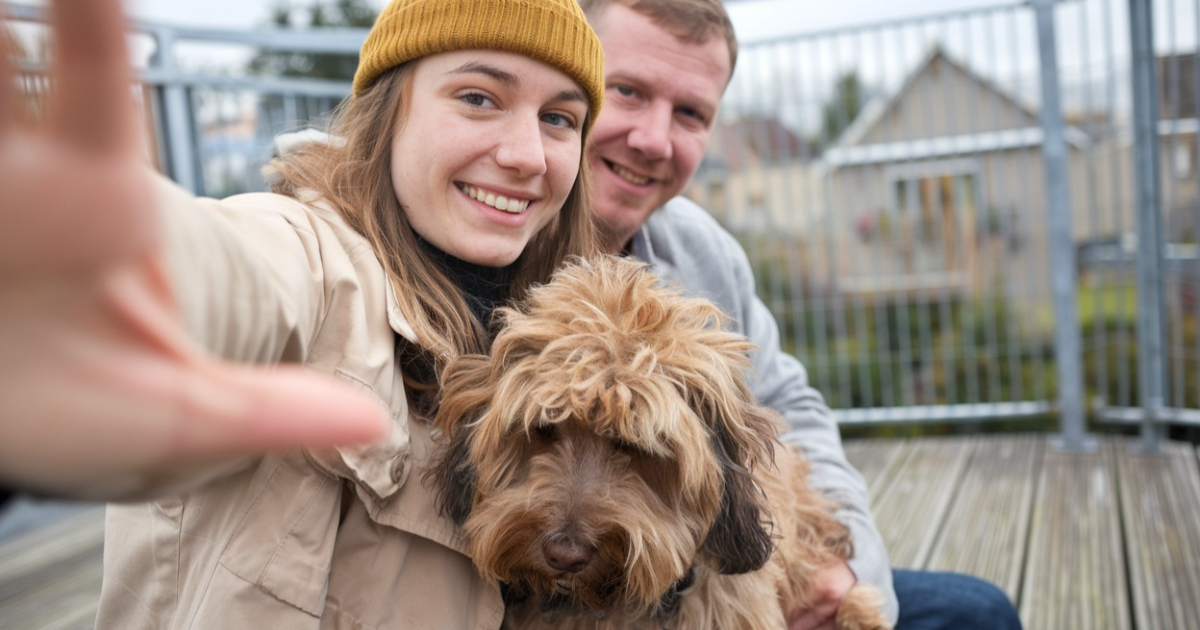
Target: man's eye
692 114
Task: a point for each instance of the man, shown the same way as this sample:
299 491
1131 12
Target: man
667 63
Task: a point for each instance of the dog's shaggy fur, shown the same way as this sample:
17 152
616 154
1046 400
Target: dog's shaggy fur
610 469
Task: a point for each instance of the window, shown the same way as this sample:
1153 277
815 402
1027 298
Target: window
930 219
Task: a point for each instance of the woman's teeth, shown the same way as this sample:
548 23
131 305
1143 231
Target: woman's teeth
499 202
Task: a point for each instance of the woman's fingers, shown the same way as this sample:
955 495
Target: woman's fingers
223 409
103 397
91 103
251 409
79 436
76 195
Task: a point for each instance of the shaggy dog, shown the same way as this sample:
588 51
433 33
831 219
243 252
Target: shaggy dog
610 469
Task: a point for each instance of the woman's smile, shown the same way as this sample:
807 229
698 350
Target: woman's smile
508 203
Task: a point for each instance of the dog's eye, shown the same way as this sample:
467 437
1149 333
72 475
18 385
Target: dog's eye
629 448
546 432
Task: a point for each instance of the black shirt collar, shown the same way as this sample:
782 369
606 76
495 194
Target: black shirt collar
483 287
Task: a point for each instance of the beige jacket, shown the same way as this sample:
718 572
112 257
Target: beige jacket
348 539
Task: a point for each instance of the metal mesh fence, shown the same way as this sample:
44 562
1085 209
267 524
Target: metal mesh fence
889 182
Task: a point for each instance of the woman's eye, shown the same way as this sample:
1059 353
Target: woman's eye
559 120
475 99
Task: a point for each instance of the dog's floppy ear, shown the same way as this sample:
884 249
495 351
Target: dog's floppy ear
739 540
465 396
454 479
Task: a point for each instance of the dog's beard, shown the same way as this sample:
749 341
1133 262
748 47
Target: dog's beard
575 522
517 561
566 595
640 551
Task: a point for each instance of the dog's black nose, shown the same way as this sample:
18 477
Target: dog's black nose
564 554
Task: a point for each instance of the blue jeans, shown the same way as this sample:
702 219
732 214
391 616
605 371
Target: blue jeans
951 601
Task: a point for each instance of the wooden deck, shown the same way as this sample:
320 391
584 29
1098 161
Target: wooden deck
1108 540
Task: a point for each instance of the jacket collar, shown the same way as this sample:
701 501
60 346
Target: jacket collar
396 319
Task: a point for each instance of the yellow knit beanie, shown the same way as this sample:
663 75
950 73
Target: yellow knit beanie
552 31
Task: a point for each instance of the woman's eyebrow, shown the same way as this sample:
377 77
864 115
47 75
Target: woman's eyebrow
570 95
503 76
510 79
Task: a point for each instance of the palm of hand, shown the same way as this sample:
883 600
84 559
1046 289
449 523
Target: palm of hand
102 390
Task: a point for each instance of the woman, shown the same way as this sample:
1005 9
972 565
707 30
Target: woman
453 185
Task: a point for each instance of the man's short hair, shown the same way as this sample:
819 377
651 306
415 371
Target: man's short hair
692 21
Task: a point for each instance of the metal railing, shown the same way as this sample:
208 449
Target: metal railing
927 201
212 126
975 216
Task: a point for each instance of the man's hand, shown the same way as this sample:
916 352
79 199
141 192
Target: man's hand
831 584
101 393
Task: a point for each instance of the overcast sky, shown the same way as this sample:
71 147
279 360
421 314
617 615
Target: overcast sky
753 19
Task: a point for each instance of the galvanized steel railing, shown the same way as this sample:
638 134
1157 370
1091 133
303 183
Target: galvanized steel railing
957 218
954 217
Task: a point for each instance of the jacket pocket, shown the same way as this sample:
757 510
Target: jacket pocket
284 543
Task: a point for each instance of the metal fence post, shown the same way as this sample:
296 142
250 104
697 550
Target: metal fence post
1067 345
1147 180
180 139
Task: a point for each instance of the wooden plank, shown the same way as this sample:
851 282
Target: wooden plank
1075 569
26 554
1160 507
873 457
50 577
66 599
910 503
987 526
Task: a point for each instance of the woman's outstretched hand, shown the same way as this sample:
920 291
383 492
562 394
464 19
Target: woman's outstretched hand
101 394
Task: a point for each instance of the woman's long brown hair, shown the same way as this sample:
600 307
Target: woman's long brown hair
354 176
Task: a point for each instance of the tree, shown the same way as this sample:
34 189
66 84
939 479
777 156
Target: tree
320 14
843 108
